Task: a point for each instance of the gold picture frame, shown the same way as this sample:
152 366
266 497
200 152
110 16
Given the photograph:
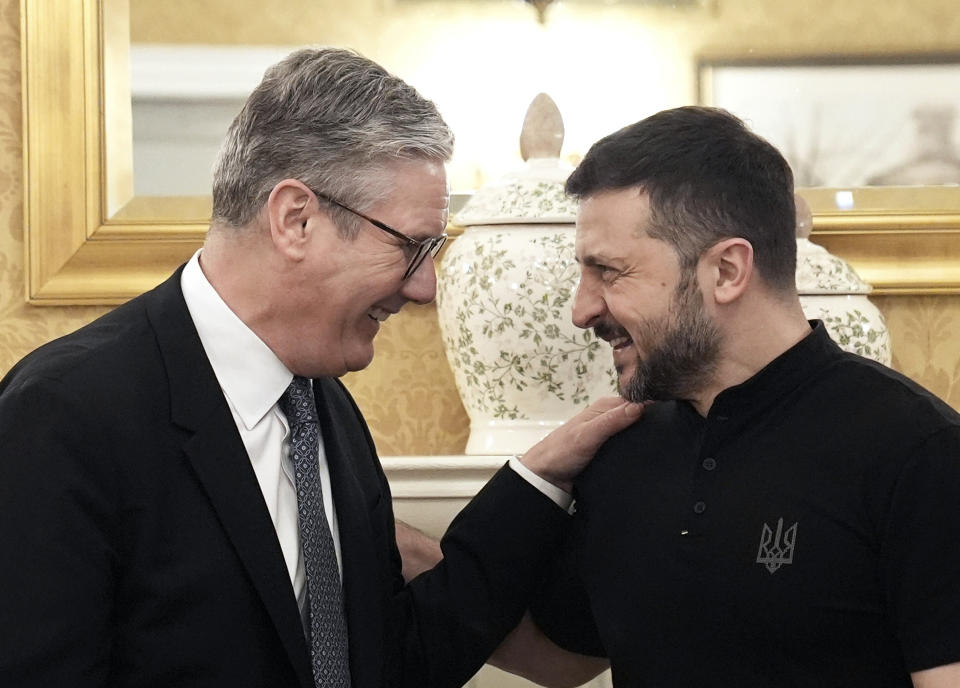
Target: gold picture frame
89 240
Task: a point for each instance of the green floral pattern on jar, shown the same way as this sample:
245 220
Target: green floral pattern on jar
820 272
852 322
511 335
519 201
853 332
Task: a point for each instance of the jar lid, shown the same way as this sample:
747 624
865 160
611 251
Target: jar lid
533 194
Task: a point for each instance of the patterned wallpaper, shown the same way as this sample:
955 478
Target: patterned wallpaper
408 394
925 334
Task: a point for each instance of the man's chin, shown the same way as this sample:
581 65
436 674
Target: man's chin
625 374
360 357
629 391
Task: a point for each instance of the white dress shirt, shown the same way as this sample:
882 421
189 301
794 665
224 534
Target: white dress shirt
253 379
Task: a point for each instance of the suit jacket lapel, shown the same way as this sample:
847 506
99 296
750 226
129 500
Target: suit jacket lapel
223 467
361 574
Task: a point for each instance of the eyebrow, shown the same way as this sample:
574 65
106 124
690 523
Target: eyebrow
593 260
425 234
421 235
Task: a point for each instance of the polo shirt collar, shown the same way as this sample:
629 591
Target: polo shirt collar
250 374
779 377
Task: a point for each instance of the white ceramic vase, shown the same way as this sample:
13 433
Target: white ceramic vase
831 291
504 297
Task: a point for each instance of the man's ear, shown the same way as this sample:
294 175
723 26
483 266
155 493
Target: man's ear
729 268
288 211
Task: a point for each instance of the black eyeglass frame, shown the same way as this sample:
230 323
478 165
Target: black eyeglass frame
422 247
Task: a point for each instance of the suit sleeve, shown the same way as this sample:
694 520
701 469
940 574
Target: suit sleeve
561 606
443 625
55 518
450 619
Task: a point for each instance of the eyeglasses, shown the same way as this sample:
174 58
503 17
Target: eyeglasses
419 248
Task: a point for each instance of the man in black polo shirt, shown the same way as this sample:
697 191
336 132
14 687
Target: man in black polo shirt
785 514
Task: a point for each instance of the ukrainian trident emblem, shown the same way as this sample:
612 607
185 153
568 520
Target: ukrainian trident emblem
776 548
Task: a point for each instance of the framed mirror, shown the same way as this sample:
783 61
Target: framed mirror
92 240
89 240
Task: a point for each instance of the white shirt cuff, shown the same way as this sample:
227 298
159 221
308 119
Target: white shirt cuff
562 499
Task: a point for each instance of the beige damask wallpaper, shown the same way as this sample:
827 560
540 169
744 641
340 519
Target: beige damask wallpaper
408 393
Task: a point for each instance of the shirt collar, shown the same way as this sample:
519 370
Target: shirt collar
250 374
779 377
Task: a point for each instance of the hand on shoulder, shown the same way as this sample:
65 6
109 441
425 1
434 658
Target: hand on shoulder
564 453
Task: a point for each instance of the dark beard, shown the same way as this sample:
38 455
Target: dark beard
684 354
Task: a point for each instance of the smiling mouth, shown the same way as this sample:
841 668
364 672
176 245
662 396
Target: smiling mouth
614 335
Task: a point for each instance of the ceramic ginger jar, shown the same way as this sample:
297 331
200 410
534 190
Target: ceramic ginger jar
504 298
831 290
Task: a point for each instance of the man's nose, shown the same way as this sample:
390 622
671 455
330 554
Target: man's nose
588 305
421 286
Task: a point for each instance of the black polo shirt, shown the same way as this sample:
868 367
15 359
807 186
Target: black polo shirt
805 533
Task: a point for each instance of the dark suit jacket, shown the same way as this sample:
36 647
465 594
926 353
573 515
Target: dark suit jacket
137 549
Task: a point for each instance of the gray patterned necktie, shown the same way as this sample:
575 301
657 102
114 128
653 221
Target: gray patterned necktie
328 626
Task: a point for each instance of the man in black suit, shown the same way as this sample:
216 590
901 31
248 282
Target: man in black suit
184 483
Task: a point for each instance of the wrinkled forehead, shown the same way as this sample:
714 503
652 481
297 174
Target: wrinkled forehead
419 200
403 176
612 218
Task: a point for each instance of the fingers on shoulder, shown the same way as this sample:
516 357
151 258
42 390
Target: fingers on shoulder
605 404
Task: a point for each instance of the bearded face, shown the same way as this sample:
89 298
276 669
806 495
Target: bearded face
676 351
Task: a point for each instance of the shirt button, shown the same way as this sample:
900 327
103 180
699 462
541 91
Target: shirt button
709 463
699 507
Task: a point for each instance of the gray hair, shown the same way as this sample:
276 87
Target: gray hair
332 119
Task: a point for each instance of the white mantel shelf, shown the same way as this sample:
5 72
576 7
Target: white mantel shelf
439 476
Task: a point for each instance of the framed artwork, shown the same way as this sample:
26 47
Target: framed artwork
849 122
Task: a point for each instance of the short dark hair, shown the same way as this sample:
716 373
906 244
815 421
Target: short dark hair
708 178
